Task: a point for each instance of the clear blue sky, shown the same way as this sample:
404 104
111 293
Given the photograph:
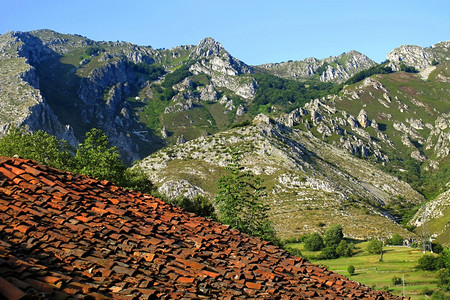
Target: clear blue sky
254 31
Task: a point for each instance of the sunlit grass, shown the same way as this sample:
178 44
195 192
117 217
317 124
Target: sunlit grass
369 270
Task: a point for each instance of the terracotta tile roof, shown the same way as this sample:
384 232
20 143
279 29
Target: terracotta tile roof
66 236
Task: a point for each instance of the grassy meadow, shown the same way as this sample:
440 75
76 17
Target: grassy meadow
369 270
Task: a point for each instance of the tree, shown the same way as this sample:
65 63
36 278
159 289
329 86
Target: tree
396 239
375 246
314 242
345 249
430 262
333 236
437 248
328 253
396 280
351 270
94 158
240 201
39 146
136 179
443 277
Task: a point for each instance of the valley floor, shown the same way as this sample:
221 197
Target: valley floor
397 261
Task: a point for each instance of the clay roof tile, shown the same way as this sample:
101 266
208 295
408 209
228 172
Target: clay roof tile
78 236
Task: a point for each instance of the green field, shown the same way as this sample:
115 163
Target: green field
369 270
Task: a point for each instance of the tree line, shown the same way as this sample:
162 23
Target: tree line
93 157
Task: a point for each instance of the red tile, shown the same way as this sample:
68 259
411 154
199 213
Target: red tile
185 279
140 246
210 274
10 175
9 291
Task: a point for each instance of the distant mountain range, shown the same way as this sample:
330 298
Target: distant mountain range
341 139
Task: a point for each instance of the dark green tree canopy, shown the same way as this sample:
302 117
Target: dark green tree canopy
314 242
93 157
240 201
375 246
39 146
333 236
345 249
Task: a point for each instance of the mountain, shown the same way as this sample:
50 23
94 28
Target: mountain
141 97
336 68
419 57
433 219
69 236
346 110
310 182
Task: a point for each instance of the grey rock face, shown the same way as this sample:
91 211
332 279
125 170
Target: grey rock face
336 69
292 160
240 110
181 139
418 156
223 69
164 132
208 93
175 189
22 103
184 85
363 119
415 56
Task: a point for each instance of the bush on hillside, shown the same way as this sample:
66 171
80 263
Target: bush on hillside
314 242
351 270
396 240
345 249
328 253
333 236
396 280
430 262
199 205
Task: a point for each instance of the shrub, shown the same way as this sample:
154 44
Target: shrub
241 124
443 277
439 295
314 242
351 270
199 205
240 200
396 239
427 291
408 69
428 262
437 248
293 251
345 249
396 280
328 253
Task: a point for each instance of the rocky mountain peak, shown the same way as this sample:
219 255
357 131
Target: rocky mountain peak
207 47
418 56
411 55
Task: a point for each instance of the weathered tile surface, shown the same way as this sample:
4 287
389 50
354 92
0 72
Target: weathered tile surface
66 236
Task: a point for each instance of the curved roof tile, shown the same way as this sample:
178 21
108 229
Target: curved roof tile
69 236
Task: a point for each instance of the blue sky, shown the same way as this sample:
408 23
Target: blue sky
254 31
